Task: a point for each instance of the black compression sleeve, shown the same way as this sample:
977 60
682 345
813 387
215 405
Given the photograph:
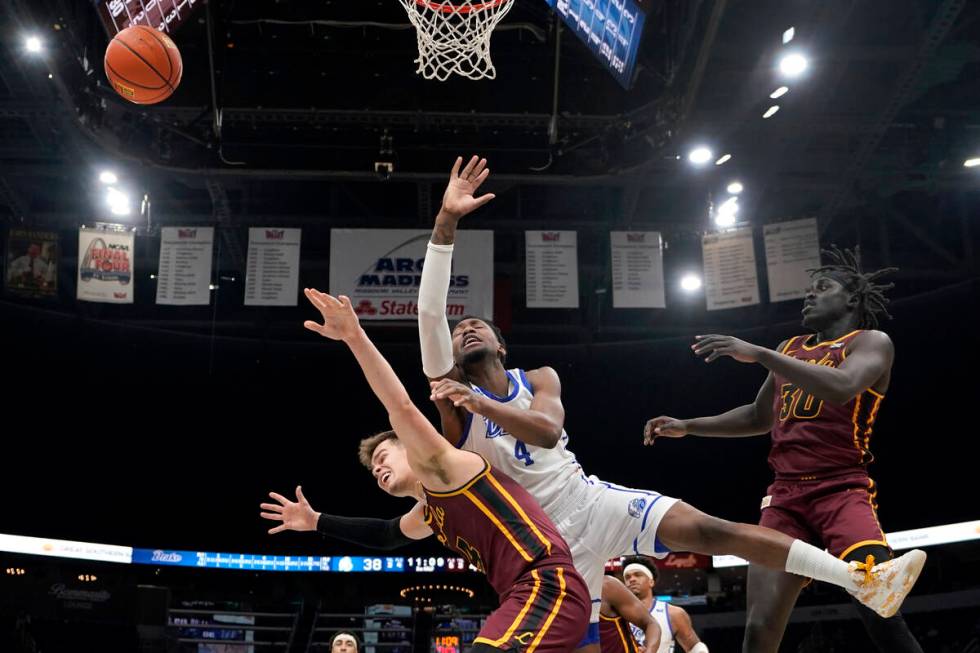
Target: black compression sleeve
375 533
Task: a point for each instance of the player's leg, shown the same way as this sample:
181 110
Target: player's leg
847 514
548 611
685 528
771 597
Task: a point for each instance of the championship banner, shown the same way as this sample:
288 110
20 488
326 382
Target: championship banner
551 262
272 269
637 269
184 274
105 266
730 278
792 248
381 269
32 263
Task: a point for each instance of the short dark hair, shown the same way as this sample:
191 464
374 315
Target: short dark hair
365 450
494 328
845 268
646 562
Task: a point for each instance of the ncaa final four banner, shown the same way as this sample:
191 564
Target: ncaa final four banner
380 270
105 266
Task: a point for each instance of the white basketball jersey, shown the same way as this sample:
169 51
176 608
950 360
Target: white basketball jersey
549 475
659 613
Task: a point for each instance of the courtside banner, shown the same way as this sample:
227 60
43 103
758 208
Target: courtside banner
380 270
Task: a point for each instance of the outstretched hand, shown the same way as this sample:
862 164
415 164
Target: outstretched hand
339 320
459 198
295 515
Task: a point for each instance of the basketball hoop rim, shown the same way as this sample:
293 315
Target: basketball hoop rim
450 8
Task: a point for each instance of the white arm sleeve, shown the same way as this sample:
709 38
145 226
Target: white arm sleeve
699 648
434 336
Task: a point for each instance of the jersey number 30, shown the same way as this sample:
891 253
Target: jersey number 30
798 405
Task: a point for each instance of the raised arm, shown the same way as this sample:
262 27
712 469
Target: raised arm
426 449
458 200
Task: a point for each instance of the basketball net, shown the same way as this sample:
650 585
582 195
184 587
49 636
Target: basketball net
454 37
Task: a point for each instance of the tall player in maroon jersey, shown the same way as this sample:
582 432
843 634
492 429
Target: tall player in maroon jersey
820 401
470 507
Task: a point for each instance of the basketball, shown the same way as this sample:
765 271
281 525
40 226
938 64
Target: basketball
143 65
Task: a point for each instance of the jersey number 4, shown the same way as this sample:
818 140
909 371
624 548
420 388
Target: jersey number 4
521 453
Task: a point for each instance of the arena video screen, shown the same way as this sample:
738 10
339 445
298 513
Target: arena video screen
164 15
611 28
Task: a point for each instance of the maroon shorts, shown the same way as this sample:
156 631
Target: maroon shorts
838 513
547 610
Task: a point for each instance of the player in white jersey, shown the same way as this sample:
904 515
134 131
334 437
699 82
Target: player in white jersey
515 419
640 576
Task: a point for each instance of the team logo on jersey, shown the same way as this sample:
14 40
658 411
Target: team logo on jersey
493 430
636 507
525 638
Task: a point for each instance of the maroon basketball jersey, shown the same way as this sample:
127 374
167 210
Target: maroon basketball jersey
498 527
615 635
812 437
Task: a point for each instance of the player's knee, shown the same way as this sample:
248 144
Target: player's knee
715 533
760 637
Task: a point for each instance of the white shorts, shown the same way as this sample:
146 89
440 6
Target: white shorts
611 522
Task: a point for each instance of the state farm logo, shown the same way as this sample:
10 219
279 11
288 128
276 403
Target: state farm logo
636 238
550 236
365 307
186 233
275 234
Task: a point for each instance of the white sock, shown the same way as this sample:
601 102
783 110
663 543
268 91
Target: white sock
811 562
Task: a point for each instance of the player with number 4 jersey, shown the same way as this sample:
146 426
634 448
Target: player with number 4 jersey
515 419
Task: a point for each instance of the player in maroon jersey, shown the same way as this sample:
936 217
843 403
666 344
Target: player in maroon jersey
469 506
820 402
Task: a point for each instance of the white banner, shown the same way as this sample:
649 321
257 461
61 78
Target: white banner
551 269
730 278
792 248
272 272
184 275
105 266
41 546
380 270
637 269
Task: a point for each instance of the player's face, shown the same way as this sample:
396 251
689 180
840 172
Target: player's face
344 644
473 341
825 301
639 583
389 466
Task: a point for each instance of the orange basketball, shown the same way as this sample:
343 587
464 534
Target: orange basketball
143 65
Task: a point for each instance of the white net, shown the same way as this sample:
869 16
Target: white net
454 37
